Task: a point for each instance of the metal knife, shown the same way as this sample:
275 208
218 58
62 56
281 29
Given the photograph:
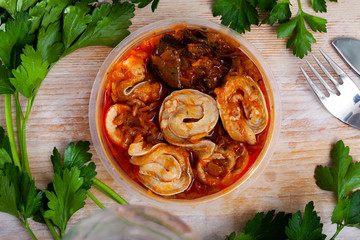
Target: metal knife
349 49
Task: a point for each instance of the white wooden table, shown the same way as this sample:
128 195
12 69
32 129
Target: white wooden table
60 115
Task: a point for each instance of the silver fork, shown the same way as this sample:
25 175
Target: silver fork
344 105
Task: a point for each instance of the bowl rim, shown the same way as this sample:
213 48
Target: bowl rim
155 28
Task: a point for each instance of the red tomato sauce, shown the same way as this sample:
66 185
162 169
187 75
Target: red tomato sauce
197 188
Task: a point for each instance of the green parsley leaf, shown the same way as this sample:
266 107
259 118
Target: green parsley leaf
316 24
232 236
14 38
76 156
241 236
347 211
23 5
301 39
76 19
307 227
3 138
36 14
281 13
343 176
262 227
8 197
31 195
73 169
353 214
56 162
9 6
67 198
237 14
4 158
14 6
5 147
28 197
49 42
340 211
320 5
32 71
53 11
88 172
19 190
324 178
5 86
47 15
108 26
266 5
144 3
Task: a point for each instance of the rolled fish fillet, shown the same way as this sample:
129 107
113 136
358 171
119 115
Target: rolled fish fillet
129 73
163 168
222 166
242 108
111 127
186 117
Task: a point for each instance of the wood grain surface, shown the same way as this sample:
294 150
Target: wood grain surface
308 131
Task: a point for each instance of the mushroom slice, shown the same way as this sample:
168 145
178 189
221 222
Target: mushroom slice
163 168
186 117
223 165
242 108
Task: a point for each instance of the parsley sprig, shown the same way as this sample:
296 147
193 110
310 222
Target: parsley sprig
72 180
241 14
18 194
268 226
307 227
342 178
300 38
282 226
320 5
144 3
35 34
238 14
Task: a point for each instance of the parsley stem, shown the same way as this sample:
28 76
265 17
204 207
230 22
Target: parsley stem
108 191
18 106
26 225
19 118
95 199
10 130
300 8
24 154
338 230
49 225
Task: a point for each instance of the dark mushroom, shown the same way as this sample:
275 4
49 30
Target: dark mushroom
190 62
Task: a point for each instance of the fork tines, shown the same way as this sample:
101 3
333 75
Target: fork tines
343 104
345 79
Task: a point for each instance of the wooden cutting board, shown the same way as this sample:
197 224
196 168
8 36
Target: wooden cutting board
308 131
